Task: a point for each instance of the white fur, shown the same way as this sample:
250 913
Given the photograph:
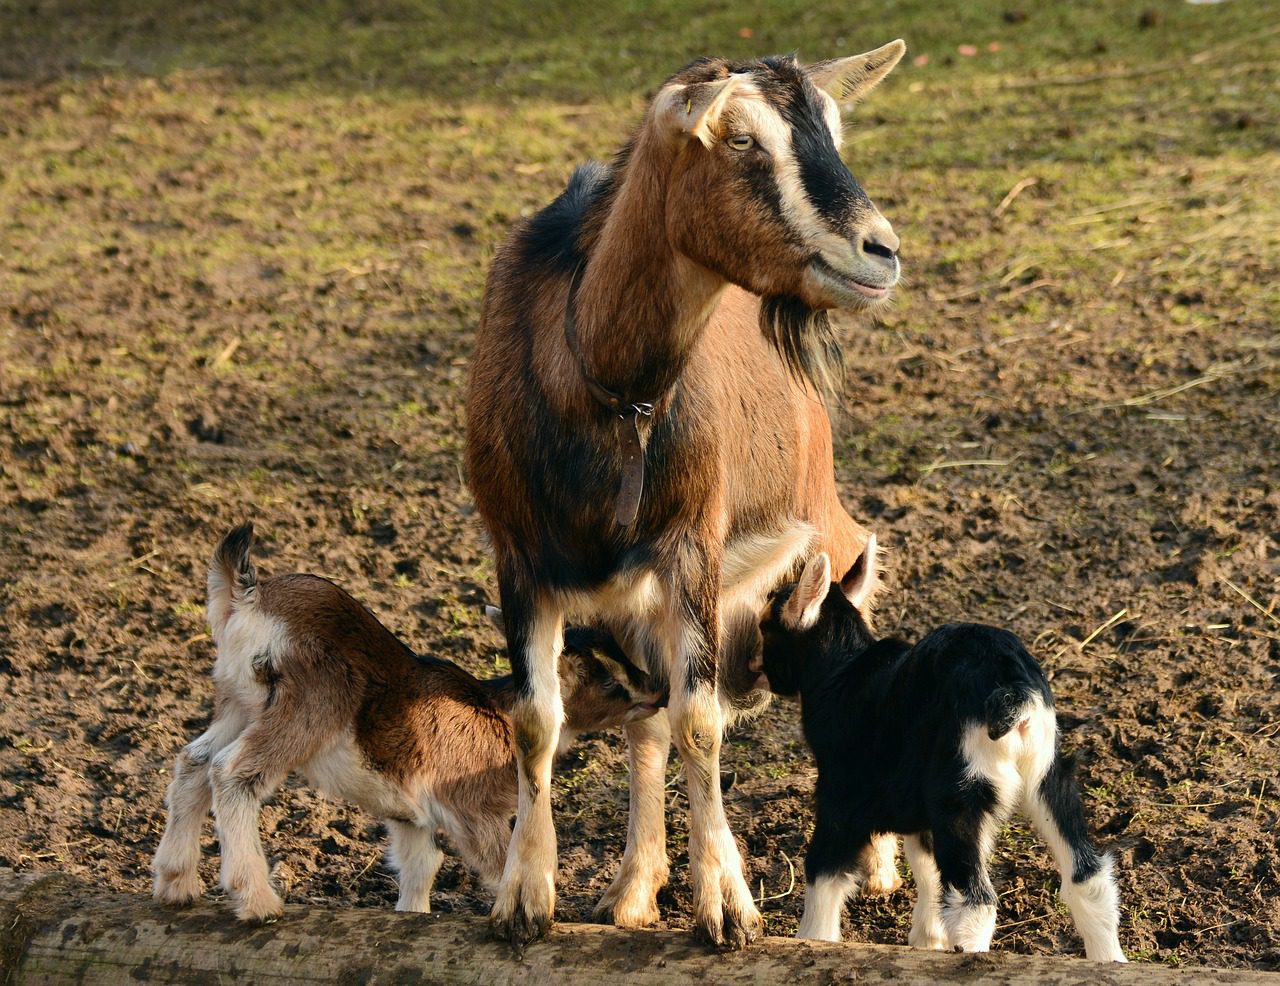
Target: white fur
1095 908
927 929
969 926
859 590
631 900
416 856
1018 760
246 635
755 563
528 879
824 906
244 867
1094 903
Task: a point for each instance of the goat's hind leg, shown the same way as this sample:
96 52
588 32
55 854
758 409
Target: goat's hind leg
176 864
631 900
291 730
962 844
1088 884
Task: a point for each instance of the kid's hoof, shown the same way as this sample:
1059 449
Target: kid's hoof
260 908
177 890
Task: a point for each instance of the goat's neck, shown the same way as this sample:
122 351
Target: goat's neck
642 306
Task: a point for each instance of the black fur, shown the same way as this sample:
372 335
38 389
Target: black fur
806 341
886 722
232 553
550 238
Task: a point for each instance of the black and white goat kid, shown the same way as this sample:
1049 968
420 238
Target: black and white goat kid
938 742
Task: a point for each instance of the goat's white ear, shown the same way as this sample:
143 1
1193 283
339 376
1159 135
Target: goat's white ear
495 617
801 609
861 577
848 80
695 109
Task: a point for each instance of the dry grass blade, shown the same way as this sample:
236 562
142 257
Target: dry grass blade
1014 192
962 464
1246 365
1250 600
791 886
1115 617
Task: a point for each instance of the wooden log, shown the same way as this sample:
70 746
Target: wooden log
56 930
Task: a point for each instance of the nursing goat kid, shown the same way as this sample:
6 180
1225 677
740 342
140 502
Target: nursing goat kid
938 742
307 679
647 434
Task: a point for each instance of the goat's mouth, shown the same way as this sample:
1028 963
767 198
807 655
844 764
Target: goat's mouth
848 287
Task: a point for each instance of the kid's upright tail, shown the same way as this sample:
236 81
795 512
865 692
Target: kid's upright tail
232 577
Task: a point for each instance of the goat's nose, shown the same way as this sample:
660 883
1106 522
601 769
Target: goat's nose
880 242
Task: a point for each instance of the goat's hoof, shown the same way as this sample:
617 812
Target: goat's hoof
261 907
632 906
734 931
177 889
522 917
520 928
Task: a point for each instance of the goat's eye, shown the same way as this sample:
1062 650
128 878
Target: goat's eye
741 142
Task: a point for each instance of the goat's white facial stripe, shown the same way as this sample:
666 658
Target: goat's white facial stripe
831 113
752 113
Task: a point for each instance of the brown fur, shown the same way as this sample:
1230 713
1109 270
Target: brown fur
309 680
676 246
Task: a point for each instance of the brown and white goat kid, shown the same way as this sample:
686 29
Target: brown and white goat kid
307 679
938 742
647 435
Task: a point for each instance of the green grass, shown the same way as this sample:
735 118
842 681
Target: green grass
579 50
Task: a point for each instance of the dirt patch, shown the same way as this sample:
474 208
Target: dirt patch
221 304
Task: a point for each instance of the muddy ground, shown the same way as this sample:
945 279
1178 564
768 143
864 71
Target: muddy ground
221 300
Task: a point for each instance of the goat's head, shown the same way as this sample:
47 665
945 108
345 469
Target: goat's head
759 193
814 616
601 687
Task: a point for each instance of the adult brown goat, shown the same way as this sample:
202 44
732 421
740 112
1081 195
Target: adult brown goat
648 442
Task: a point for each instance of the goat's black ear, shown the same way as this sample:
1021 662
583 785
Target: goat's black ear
801 609
861 577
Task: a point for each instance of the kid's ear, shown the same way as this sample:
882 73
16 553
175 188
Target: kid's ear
695 109
495 617
801 609
573 672
861 577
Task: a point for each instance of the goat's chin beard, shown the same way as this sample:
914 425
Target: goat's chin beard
805 340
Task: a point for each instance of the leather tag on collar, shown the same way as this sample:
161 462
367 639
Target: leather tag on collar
632 487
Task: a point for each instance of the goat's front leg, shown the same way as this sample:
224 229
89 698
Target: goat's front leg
724 913
632 899
525 903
